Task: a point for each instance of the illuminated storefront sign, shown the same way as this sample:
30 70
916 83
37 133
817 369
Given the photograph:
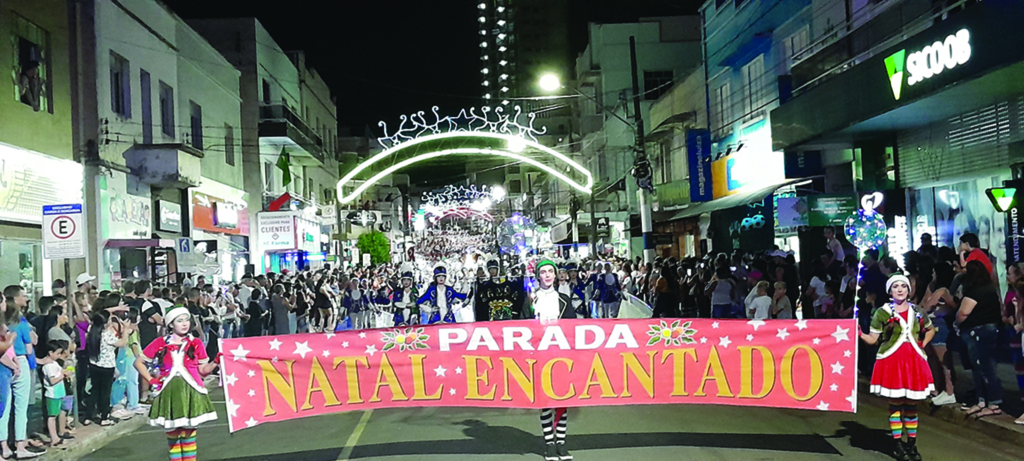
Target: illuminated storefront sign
899 239
29 180
928 62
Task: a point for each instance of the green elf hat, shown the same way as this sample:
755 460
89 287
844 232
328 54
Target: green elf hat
542 263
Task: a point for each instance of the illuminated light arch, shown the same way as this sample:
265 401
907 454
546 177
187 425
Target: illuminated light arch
516 141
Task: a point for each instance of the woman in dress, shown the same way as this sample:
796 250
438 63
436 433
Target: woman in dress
901 371
181 401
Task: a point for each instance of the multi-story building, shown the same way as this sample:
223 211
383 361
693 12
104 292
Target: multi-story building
918 97
286 109
154 117
38 163
667 49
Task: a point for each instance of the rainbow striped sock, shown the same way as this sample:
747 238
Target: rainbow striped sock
188 445
910 420
895 421
173 446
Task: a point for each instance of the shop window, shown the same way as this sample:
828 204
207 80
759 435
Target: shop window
196 124
229 144
167 110
120 86
32 65
656 83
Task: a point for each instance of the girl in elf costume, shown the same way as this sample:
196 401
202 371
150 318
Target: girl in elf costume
548 304
901 371
181 401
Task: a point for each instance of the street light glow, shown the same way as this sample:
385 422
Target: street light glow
550 82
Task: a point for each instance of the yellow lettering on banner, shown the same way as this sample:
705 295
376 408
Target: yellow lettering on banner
631 365
816 375
317 373
714 371
545 379
474 378
386 377
419 384
679 368
747 372
512 369
285 387
598 376
352 375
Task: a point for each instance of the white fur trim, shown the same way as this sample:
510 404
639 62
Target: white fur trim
183 422
903 393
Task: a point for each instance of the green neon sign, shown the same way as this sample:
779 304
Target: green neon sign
1002 198
894 66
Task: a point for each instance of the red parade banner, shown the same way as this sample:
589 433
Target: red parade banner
528 364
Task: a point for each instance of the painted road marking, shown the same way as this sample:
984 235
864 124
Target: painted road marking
354 438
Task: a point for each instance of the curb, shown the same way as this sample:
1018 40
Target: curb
84 446
1001 428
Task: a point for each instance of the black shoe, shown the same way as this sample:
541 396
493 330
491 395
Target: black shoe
900 453
563 453
911 450
550 452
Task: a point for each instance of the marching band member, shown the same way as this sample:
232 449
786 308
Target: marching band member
404 298
439 300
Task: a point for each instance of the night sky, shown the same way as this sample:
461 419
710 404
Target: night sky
384 58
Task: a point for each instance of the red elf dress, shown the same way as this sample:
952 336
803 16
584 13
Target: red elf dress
901 366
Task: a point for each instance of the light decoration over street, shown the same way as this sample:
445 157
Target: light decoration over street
498 133
461 201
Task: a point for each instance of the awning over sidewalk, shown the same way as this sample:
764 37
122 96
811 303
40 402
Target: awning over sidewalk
742 198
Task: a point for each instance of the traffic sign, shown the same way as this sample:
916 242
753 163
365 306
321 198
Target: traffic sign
184 245
186 257
63 232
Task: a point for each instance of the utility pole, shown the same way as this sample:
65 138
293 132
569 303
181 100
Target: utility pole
641 166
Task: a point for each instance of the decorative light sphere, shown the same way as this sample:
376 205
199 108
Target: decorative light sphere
550 82
866 229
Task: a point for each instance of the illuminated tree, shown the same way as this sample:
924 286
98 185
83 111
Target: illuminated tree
377 245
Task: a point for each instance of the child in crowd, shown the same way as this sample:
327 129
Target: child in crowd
761 305
781 307
53 390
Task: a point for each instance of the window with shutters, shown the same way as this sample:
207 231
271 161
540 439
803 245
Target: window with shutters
120 86
753 88
721 106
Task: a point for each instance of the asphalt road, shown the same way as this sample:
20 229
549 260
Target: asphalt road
660 432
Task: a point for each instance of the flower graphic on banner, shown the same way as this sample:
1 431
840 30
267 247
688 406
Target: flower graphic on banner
406 339
675 334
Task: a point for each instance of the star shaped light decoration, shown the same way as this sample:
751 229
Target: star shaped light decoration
782 334
239 353
440 371
302 348
841 334
275 345
837 368
724 342
756 324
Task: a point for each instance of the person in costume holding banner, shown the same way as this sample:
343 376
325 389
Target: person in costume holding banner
439 300
496 297
548 304
181 403
901 371
404 299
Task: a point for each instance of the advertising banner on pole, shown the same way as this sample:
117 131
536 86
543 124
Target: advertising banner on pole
528 364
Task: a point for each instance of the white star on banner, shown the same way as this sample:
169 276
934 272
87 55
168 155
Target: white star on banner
841 334
440 371
362 335
800 325
847 354
232 408
330 335
229 380
275 345
816 341
756 324
239 354
326 353
302 348
822 406
852 399
704 340
458 370
782 334
371 349
251 373
714 325
837 368
344 344
750 337
724 341
251 422
273 359
252 393
834 387
451 391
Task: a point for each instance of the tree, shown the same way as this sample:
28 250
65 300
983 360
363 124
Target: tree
377 245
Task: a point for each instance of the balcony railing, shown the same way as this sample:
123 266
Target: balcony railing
282 113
